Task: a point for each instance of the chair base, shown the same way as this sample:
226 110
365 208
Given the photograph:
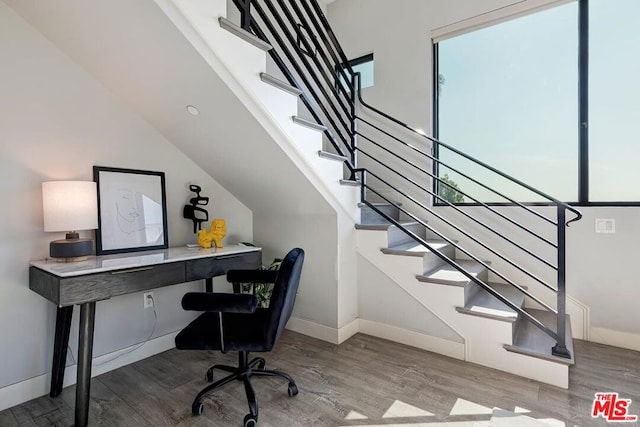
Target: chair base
243 372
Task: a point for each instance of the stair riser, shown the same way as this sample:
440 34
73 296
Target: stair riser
432 261
470 291
369 216
471 288
395 236
515 327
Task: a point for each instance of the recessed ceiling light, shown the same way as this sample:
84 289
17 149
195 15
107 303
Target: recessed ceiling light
193 110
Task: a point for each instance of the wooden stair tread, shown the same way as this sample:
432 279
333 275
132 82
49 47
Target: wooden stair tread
414 249
378 204
308 123
332 156
245 35
532 341
384 227
486 305
280 84
448 275
350 182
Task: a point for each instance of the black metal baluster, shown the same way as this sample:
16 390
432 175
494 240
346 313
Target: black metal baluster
300 73
292 80
560 349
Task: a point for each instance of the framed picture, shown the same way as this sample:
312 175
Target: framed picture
132 210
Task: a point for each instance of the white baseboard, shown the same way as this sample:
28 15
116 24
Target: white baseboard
579 313
322 332
315 330
413 339
348 330
615 338
380 330
26 390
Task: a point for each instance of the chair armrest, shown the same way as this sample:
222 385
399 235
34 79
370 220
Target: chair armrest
219 302
252 276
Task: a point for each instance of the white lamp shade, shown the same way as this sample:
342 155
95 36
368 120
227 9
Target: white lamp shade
69 205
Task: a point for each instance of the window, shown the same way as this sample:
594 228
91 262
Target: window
510 96
614 100
362 65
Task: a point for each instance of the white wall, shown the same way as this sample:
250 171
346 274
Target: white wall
317 294
599 265
398 34
380 301
56 122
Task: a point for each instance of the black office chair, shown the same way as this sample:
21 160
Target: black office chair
232 322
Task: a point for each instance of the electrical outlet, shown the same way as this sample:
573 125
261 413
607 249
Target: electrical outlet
605 225
148 299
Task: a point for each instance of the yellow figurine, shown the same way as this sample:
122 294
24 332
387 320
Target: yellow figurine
204 239
218 231
214 235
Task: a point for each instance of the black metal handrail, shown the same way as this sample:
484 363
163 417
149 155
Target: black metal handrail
485 205
456 170
471 217
452 262
469 235
474 160
315 62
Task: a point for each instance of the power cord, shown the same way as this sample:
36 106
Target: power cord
153 329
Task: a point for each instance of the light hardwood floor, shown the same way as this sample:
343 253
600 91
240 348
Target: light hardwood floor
363 377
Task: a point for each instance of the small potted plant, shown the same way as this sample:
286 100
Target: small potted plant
262 291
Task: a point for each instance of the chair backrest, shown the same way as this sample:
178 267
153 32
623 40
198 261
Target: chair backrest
284 293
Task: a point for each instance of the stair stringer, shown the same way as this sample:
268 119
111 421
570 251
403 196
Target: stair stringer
483 337
239 65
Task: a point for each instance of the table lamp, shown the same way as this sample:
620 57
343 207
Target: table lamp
70 206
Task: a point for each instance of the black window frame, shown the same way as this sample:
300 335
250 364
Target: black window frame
583 120
344 67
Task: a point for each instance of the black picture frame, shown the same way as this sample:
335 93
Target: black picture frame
132 210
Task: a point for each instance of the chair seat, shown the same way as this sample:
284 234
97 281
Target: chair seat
244 332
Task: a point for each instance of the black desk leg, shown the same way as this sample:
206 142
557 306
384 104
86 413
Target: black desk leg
60 345
85 353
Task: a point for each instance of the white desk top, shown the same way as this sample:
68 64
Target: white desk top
99 264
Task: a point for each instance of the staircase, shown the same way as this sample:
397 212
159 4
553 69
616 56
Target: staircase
495 333
501 308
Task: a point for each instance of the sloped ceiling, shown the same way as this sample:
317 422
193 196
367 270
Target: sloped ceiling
134 50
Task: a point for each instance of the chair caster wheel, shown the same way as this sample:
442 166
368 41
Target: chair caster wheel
250 421
197 408
261 366
209 375
292 390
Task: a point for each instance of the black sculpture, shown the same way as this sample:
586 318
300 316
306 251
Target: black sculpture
193 211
